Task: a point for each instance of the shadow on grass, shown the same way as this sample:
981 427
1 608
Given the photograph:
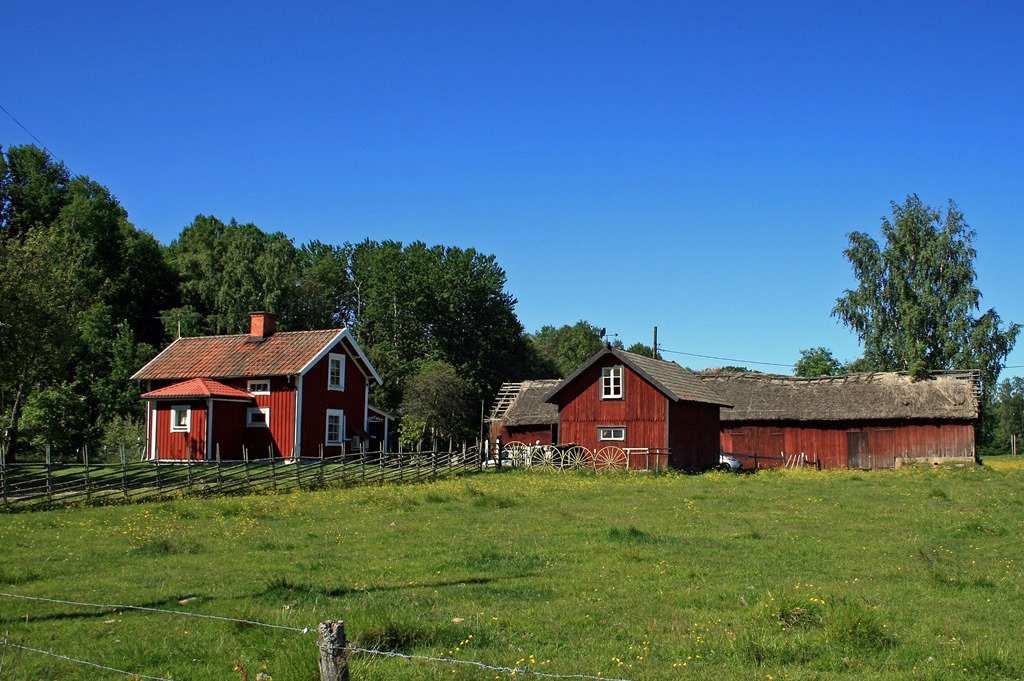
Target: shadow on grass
282 589
93 613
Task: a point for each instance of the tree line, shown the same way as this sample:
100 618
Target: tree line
86 298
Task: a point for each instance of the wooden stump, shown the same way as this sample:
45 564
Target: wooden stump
333 651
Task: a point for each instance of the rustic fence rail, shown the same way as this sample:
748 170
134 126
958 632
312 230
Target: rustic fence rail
35 486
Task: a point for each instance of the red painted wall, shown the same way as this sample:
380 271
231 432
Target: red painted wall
317 399
642 410
229 421
829 443
181 446
693 436
528 435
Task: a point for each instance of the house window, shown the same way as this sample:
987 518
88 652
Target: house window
335 433
611 383
611 434
181 418
257 417
335 372
259 386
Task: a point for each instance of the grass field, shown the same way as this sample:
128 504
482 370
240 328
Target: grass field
779 575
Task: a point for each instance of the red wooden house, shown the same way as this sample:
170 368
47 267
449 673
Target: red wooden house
875 420
284 394
630 401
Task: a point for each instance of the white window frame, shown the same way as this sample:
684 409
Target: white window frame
608 376
340 413
249 423
188 418
341 357
258 381
601 430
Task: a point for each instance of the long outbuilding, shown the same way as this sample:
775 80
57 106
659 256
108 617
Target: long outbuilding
869 420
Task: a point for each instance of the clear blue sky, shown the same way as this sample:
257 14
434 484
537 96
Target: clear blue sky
691 166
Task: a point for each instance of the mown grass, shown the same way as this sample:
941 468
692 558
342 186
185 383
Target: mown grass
912 574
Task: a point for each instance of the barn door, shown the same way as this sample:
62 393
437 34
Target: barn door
857 449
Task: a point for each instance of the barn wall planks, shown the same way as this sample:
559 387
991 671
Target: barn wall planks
693 435
317 399
180 446
642 410
829 443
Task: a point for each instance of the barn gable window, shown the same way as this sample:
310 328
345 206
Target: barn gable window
181 418
335 432
611 383
257 417
259 386
611 434
335 371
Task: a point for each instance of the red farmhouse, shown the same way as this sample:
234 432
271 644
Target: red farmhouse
630 401
285 394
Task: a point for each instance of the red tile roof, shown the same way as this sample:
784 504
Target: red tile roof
283 354
195 388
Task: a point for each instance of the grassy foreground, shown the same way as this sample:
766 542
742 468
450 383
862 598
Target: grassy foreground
780 575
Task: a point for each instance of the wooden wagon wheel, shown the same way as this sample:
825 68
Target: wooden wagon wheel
544 456
517 452
609 459
576 458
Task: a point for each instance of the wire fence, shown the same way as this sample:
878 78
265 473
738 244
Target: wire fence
36 486
349 650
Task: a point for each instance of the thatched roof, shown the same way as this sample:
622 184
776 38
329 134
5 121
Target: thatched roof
857 397
675 382
529 407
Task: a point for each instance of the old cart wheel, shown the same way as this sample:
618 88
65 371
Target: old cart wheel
609 459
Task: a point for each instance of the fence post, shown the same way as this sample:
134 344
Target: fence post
124 472
49 476
362 463
220 477
88 486
323 480
3 473
273 467
297 461
188 467
245 464
333 651
497 453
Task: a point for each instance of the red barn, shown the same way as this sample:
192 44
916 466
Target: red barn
875 420
521 414
285 394
630 401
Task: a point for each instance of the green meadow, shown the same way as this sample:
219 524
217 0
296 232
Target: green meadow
911 574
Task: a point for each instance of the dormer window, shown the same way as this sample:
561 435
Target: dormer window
259 386
335 372
611 383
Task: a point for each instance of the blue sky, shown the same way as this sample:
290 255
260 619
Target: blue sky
692 166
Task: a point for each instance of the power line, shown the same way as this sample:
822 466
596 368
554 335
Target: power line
725 359
30 134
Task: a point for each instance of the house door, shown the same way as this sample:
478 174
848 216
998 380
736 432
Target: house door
857 450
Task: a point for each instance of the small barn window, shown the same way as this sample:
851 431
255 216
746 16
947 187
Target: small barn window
611 434
257 417
611 383
181 418
259 386
335 434
335 372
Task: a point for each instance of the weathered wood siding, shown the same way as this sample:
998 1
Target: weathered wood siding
642 411
529 435
693 436
880 442
179 446
317 399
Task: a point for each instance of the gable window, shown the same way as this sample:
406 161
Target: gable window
259 386
257 417
611 382
335 433
335 372
181 418
611 434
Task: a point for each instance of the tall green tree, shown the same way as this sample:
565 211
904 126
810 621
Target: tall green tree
916 305
437 403
568 346
642 349
817 361
1006 416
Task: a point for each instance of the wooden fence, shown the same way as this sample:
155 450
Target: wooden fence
32 486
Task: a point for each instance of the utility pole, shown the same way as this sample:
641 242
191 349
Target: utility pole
654 347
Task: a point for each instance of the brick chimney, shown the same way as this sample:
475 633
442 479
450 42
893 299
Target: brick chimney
262 324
